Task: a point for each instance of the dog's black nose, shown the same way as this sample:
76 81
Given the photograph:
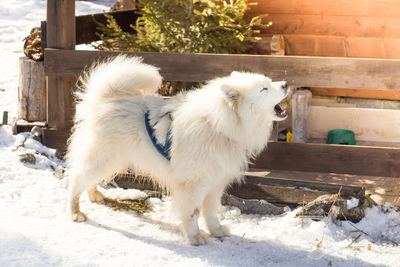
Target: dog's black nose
285 86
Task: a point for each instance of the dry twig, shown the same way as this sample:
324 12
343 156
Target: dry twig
354 240
337 196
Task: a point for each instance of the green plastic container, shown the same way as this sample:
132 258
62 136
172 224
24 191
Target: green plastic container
341 137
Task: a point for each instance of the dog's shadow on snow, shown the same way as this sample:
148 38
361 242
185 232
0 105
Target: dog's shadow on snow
237 250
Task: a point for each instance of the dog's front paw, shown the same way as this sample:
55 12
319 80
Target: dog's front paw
220 231
78 216
197 240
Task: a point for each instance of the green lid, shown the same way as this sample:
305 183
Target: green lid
341 137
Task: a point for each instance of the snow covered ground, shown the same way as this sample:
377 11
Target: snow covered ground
34 230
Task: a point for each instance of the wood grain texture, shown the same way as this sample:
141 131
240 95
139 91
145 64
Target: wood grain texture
382 189
57 138
60 107
348 26
273 193
275 187
60 28
86 27
298 71
309 180
359 28
374 8
320 158
341 46
360 160
31 90
285 187
60 24
356 93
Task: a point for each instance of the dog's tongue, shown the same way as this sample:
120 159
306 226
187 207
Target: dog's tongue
279 111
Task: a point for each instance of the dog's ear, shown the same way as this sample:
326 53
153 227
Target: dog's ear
231 94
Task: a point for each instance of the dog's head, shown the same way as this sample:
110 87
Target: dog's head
255 94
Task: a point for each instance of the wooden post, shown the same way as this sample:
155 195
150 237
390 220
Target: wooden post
31 90
60 34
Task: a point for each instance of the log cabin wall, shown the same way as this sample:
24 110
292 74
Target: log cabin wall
334 28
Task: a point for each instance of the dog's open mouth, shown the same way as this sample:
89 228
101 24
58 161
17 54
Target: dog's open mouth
279 112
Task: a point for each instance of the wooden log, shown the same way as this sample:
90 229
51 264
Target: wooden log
60 34
305 181
382 189
274 193
31 90
298 71
284 187
251 206
274 190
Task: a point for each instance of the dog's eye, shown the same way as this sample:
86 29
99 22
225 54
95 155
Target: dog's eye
264 89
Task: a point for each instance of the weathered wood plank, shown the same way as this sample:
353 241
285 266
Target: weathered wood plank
57 138
341 46
381 189
357 93
375 8
60 24
360 160
279 188
272 189
60 108
349 26
303 180
86 27
298 71
60 29
340 159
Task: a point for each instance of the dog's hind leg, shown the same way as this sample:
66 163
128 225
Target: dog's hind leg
211 204
75 189
87 178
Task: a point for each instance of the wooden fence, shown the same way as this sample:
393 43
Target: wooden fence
356 28
63 64
333 28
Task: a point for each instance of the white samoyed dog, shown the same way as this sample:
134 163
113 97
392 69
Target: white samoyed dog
212 133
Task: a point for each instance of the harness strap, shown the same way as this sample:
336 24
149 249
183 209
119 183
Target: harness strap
162 149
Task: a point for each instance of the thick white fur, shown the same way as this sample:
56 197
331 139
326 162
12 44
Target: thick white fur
215 131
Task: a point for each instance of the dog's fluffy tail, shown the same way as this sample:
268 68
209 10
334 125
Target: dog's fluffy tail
115 77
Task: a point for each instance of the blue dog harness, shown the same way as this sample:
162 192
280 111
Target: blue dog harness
162 149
